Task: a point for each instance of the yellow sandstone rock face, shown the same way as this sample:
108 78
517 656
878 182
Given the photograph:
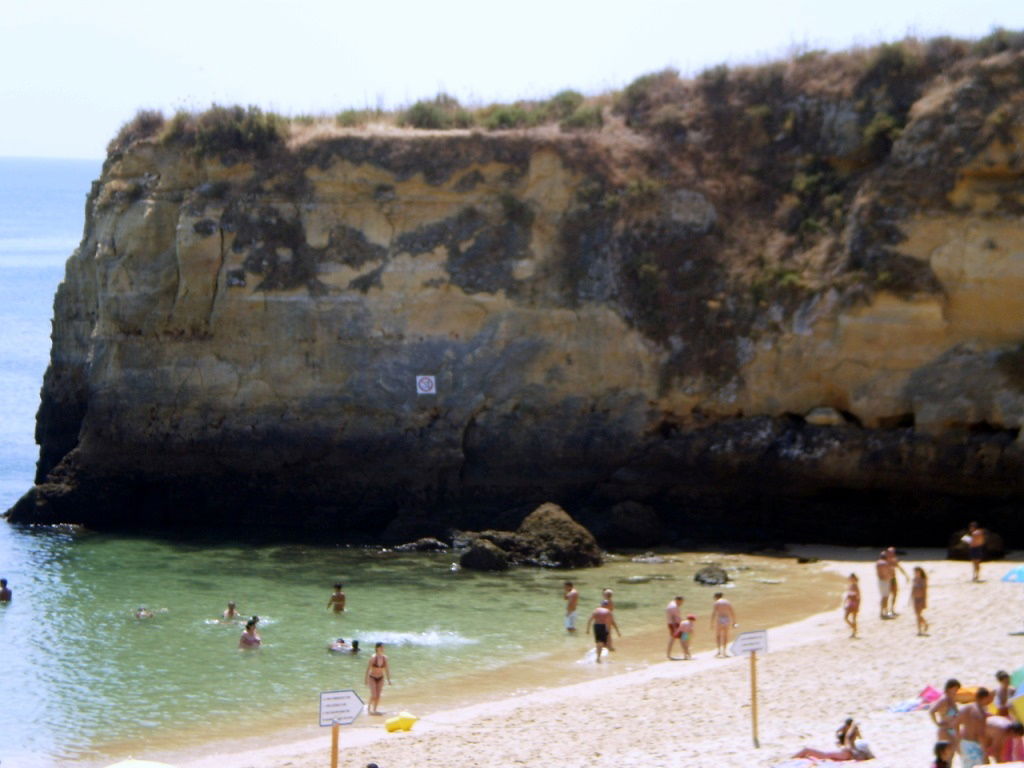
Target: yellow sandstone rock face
595 332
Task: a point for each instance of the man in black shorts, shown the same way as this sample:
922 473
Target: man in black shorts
603 621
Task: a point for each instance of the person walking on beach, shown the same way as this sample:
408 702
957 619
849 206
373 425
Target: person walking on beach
376 672
885 571
250 637
851 604
674 618
971 731
975 539
5 592
919 596
572 600
944 711
337 600
890 555
723 618
603 622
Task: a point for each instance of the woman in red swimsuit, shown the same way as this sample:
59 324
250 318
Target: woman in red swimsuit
376 672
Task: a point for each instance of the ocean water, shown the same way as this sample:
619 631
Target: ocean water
84 682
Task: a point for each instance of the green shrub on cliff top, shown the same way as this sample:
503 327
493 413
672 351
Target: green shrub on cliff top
587 117
146 123
227 129
441 113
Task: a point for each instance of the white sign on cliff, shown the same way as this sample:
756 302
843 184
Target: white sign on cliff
425 385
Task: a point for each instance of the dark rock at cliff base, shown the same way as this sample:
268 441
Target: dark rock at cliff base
485 556
958 548
426 544
631 524
555 538
711 575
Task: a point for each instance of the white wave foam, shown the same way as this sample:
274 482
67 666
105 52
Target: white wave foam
428 638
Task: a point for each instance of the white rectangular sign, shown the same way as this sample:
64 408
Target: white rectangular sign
342 707
751 642
426 385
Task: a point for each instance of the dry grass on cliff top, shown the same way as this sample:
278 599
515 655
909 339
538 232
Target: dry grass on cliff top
657 103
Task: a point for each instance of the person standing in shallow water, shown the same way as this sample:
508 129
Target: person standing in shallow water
603 621
376 672
337 600
572 599
250 637
851 604
5 592
674 619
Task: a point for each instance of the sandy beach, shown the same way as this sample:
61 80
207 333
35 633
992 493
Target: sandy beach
698 712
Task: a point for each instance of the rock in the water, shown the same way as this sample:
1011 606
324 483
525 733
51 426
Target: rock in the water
711 575
631 524
485 556
958 548
426 544
555 538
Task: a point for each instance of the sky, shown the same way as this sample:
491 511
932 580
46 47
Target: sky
73 72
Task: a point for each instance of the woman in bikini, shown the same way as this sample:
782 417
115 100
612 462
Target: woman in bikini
851 604
919 596
376 672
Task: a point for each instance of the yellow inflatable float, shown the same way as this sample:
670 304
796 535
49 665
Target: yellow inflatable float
403 721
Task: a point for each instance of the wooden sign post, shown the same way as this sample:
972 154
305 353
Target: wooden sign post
338 708
752 642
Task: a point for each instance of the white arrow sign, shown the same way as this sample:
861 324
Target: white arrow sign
339 707
751 642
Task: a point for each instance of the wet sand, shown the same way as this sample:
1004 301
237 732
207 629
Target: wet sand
698 712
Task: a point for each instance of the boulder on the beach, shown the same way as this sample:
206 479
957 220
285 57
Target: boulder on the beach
426 544
712 575
632 524
958 548
485 555
555 539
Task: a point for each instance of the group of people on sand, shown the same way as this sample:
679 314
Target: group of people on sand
886 567
982 730
680 629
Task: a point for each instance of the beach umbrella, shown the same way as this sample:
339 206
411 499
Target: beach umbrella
133 763
1015 575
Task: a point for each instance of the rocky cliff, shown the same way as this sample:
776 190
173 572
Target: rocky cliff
783 301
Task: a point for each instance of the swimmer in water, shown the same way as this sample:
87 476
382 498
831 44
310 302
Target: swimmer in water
339 646
337 600
143 613
230 614
250 637
5 593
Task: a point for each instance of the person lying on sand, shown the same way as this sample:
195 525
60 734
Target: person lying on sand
851 746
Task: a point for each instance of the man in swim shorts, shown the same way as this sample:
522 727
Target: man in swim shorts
723 618
970 723
572 599
603 622
673 617
5 593
885 571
